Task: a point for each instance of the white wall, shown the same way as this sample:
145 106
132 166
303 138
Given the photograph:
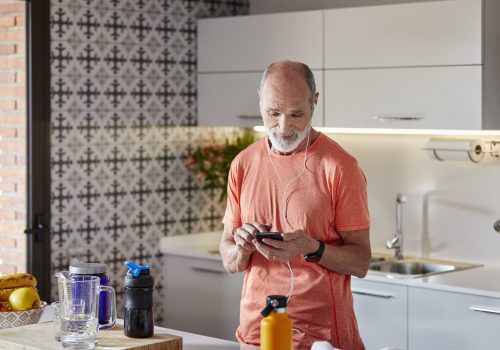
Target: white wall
271 6
451 205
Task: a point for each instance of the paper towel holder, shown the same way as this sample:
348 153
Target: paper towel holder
475 152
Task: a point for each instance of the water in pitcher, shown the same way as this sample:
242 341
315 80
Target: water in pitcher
79 331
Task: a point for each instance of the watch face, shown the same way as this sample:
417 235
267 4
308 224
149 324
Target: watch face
312 259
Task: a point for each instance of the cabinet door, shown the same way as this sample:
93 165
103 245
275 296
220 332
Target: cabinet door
381 313
446 320
405 98
251 43
417 34
231 99
201 297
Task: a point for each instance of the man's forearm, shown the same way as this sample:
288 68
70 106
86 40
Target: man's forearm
349 259
233 257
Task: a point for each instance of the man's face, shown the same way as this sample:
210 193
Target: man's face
285 105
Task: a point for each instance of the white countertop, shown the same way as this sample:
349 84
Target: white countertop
483 281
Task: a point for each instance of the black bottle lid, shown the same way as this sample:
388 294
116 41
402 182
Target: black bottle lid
273 302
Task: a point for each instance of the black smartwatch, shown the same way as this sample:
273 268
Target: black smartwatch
316 256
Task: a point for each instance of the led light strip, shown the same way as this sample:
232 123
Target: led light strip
398 131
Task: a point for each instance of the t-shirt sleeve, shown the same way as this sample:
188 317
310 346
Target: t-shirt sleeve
232 216
351 199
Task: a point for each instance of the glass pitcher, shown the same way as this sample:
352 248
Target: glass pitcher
79 305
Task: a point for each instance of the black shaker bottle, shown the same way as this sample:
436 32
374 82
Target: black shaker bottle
138 319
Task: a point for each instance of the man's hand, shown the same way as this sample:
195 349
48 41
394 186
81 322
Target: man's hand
293 244
237 245
245 235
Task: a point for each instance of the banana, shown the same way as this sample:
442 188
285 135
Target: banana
17 280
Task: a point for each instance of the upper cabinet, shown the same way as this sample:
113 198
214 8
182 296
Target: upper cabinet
419 65
234 51
251 43
436 33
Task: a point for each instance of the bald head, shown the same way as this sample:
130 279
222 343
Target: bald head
290 70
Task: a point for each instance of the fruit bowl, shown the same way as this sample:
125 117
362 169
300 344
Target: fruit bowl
9 319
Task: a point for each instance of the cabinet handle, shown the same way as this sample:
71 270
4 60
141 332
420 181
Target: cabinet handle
486 309
205 270
389 118
372 293
249 117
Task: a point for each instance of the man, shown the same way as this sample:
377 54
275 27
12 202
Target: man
298 182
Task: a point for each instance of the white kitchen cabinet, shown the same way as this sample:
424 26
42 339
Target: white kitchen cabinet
405 98
231 99
251 43
201 297
448 320
381 312
416 34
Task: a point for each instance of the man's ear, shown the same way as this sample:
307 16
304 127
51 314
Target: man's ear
316 95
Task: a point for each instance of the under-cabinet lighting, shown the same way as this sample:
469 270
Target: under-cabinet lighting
398 131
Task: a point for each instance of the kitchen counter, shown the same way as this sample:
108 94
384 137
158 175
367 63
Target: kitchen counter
190 341
483 281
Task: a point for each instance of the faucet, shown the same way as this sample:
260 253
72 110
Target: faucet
397 242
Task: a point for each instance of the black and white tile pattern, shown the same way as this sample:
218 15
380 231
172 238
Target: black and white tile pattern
123 99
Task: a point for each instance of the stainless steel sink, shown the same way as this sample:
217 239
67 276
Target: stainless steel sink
411 268
414 269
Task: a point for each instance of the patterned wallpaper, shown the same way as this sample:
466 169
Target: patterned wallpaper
123 100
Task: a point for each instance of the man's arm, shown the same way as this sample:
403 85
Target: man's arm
237 246
351 258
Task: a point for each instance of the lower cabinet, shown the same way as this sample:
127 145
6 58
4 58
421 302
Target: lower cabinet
448 320
201 297
413 318
381 311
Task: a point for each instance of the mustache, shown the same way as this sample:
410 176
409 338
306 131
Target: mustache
277 132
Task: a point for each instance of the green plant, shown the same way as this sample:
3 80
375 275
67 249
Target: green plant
211 163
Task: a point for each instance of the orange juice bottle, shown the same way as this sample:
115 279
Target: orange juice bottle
276 326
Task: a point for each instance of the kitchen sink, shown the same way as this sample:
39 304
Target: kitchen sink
414 268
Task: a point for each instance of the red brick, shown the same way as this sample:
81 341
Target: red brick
20 49
13 145
7 159
11 256
7 132
7 242
20 105
12 90
7 187
13 118
12 35
21 132
7 269
7 49
20 21
7 21
8 104
12 7
12 228
12 174
20 76
10 62
21 243
8 77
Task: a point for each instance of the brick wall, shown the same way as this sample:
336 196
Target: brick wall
12 137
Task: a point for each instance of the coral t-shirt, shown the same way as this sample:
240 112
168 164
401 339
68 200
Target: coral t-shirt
328 197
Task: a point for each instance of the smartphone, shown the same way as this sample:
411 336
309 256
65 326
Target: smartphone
271 235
